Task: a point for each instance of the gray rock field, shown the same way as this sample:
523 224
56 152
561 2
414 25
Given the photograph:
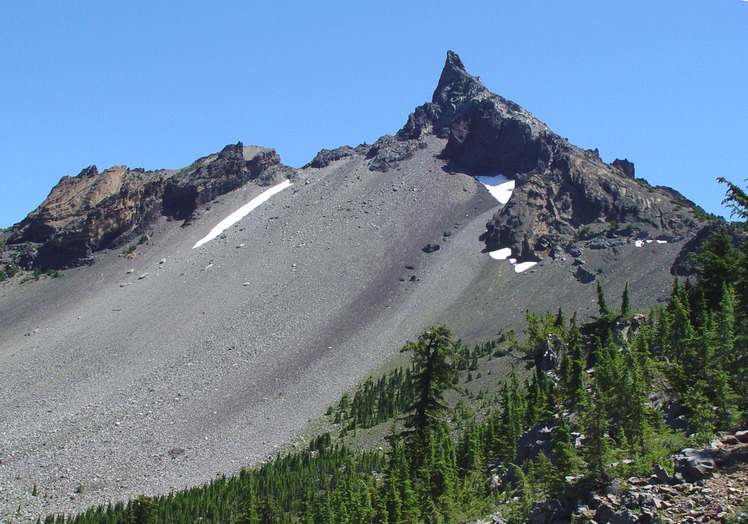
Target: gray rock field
226 351
148 367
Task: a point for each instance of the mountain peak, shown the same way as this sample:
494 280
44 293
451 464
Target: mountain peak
455 83
453 61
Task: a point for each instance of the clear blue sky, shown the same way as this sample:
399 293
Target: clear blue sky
159 84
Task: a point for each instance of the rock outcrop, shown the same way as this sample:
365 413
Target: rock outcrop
710 496
562 192
96 210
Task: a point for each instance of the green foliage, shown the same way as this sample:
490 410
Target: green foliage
9 271
736 199
435 363
716 265
376 401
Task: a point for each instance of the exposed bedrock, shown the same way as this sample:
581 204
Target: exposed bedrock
96 210
561 191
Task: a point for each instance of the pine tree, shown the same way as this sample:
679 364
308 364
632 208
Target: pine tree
469 448
595 426
574 388
567 460
248 511
560 321
140 510
625 302
602 306
680 333
435 361
716 265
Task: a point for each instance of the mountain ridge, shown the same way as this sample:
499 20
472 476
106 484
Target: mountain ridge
560 187
227 350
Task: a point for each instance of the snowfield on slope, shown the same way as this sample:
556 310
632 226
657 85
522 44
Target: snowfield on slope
243 211
499 186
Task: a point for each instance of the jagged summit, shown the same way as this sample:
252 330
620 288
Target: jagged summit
456 84
561 190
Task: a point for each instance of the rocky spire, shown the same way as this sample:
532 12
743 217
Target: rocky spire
455 87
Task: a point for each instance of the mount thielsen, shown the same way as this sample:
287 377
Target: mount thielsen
192 334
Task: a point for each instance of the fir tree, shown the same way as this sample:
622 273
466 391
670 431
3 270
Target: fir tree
597 444
625 302
435 363
716 265
602 306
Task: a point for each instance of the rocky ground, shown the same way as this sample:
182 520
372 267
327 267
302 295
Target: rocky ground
227 351
708 485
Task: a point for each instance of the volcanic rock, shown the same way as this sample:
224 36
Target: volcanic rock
560 188
93 211
626 166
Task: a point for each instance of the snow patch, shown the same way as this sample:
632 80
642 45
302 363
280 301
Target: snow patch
506 254
640 243
499 186
243 211
523 266
501 254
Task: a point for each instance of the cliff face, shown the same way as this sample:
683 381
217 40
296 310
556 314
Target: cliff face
96 210
562 192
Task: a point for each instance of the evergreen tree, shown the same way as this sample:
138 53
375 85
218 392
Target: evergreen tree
716 265
679 333
602 306
625 302
140 510
597 444
560 321
567 460
435 371
269 512
248 511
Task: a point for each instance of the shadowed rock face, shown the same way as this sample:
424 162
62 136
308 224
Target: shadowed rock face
560 189
93 211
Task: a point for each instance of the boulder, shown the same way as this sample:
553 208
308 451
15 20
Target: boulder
625 516
584 276
547 512
662 475
603 512
694 464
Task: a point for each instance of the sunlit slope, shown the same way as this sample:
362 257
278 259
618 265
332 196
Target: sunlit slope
141 375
